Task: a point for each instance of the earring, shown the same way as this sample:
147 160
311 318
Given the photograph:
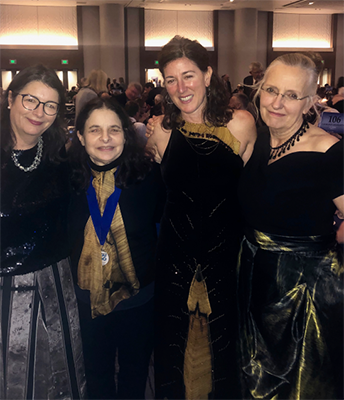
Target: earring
208 91
9 107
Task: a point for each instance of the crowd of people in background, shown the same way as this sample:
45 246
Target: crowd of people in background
149 98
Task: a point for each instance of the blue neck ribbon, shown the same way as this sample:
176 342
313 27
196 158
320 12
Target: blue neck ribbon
102 223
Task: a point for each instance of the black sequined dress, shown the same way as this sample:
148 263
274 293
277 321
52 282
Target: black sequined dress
40 341
195 277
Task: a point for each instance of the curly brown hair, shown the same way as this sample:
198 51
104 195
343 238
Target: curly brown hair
216 111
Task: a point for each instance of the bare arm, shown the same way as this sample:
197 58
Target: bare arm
339 203
158 138
243 127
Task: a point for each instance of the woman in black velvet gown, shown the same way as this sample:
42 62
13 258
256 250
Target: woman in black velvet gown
41 353
202 146
291 268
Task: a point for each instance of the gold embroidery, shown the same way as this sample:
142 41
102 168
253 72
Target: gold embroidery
212 133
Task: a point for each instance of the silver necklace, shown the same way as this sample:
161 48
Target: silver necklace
36 161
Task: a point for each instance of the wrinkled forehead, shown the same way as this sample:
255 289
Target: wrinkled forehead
289 77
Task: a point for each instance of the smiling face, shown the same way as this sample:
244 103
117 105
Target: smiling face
103 136
279 114
27 125
186 85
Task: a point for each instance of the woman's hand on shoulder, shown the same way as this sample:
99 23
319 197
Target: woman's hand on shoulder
243 127
152 123
158 137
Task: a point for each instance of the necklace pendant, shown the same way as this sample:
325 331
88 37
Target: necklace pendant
105 257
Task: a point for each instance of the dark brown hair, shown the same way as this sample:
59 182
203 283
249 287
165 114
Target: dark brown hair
216 112
135 159
55 136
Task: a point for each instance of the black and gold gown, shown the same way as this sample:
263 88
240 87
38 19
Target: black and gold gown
196 263
291 276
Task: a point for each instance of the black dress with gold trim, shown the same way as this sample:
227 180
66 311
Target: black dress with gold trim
291 276
196 262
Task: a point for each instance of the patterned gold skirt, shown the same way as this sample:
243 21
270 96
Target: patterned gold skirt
291 317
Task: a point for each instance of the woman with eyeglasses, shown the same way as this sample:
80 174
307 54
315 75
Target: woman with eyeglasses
291 268
41 351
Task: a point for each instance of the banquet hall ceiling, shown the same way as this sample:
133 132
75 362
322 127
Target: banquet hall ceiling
285 6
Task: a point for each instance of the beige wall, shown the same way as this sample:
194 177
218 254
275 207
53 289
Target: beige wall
340 48
90 38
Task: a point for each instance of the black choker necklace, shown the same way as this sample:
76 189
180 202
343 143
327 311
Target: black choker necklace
279 150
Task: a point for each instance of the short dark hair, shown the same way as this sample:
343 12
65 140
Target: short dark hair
216 111
55 136
243 98
136 160
132 108
149 85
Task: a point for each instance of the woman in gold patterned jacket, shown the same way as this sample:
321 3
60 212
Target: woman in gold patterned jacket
117 194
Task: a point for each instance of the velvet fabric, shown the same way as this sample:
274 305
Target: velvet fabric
196 325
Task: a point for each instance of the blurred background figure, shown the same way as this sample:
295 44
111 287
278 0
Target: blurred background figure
338 99
132 93
132 108
256 71
94 86
157 108
239 101
122 84
71 94
227 84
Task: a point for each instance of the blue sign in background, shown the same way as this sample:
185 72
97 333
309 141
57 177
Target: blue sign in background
332 122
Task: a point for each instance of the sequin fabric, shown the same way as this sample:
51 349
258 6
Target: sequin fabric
33 214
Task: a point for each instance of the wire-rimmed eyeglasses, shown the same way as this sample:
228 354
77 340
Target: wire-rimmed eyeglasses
31 103
289 96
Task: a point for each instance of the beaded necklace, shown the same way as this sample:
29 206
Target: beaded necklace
276 152
36 161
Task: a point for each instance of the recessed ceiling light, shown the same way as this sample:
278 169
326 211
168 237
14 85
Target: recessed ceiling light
311 2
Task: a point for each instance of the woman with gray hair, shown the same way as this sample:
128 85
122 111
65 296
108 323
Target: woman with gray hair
291 268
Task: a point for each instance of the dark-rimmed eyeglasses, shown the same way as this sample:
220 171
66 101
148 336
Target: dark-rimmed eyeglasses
31 103
289 96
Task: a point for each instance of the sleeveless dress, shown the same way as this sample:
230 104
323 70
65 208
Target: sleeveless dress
196 266
291 275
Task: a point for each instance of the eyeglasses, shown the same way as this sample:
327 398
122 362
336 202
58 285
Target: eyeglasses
31 103
286 96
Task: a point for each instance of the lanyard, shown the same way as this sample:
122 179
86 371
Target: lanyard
102 223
